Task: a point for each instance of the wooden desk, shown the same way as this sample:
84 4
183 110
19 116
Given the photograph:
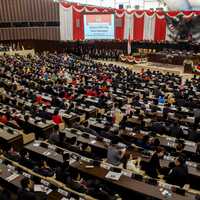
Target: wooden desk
70 118
165 141
193 172
14 185
52 155
41 129
15 139
125 182
90 141
90 112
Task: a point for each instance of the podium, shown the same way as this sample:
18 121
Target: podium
188 66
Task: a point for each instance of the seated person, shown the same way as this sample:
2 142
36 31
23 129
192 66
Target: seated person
85 147
153 167
63 171
145 142
194 134
25 160
179 150
133 164
176 131
4 118
56 117
166 111
44 114
77 124
27 190
115 154
25 125
87 129
11 153
158 127
54 137
155 143
75 182
161 99
71 108
106 133
43 169
178 175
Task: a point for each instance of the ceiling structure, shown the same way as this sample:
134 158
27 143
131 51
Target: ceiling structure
145 4
183 4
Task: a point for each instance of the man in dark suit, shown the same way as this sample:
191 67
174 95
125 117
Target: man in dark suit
179 174
63 171
154 167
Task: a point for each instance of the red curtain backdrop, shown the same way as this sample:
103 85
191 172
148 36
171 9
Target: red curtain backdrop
160 29
77 28
119 30
138 28
78 25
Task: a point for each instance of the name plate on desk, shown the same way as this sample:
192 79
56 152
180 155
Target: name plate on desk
113 175
93 141
106 140
105 166
44 182
85 159
26 175
127 173
46 153
11 167
36 144
52 147
63 192
192 144
165 185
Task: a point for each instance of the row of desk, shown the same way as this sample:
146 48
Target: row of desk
126 181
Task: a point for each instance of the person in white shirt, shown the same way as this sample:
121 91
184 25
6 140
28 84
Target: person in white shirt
133 164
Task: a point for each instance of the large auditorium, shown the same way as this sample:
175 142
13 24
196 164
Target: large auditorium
99 99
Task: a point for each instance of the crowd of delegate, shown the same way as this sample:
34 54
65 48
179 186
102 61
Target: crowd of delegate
92 52
141 119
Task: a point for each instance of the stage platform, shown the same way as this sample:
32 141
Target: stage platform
20 52
164 68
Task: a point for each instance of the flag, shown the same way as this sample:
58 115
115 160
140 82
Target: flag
129 44
170 23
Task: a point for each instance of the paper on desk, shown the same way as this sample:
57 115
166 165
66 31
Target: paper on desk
113 175
71 161
38 188
12 177
36 144
93 142
42 188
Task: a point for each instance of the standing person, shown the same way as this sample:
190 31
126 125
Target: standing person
56 117
153 167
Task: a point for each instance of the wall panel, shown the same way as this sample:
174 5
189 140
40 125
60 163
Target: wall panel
36 33
28 10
